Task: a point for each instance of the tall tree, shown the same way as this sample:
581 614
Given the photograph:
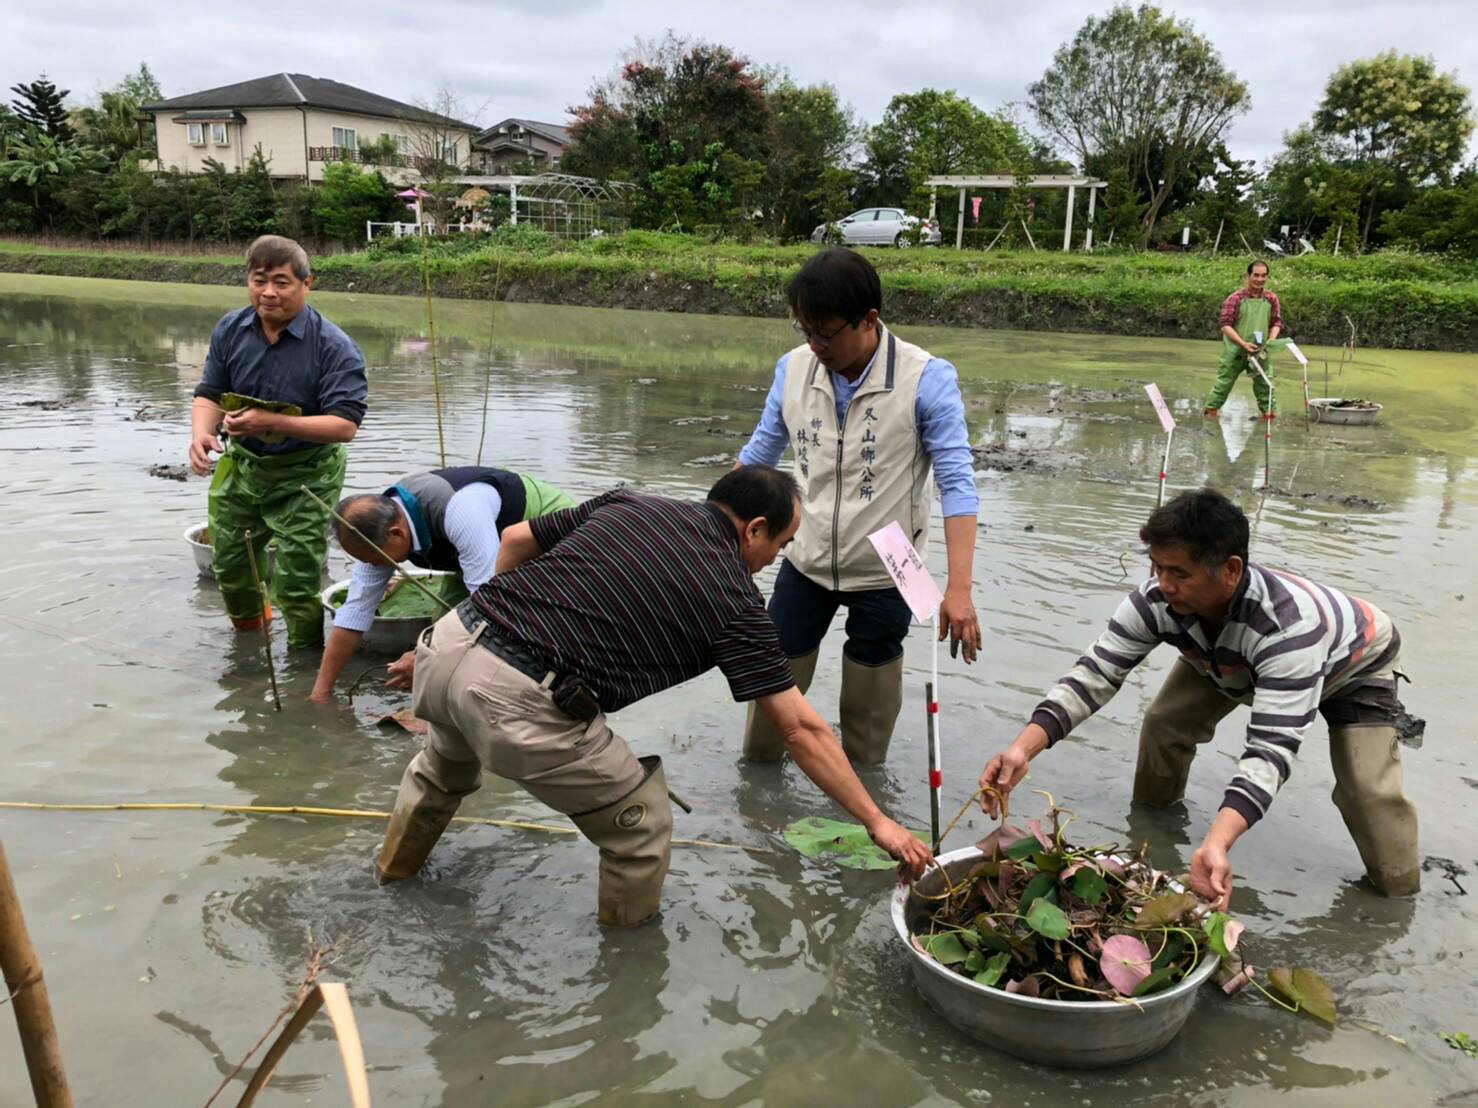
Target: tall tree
1395 122
1144 89
686 120
41 104
807 178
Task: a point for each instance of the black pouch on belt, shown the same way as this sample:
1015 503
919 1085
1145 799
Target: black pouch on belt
574 698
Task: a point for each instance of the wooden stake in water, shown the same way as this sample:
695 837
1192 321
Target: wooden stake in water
431 329
251 557
362 537
1167 421
26 987
487 381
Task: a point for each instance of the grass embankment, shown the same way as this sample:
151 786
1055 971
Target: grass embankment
1394 300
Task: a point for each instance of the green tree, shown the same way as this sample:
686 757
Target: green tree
1223 209
39 164
1142 89
42 105
687 121
1121 221
347 199
1441 219
807 180
1394 123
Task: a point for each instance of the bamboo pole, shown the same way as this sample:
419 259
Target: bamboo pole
487 381
431 328
256 578
26 986
326 506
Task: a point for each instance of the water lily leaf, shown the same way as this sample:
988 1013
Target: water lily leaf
1035 827
946 948
1174 944
1089 885
1165 910
1048 861
993 970
1222 932
1027 986
1040 885
1306 990
849 842
974 962
991 868
1125 962
1022 849
994 845
1157 980
1046 918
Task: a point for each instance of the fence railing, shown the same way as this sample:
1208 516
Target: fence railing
374 229
357 157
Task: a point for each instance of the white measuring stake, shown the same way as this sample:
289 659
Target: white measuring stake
1267 422
1167 421
920 592
1304 362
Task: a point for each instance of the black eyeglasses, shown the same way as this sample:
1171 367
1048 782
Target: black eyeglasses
816 336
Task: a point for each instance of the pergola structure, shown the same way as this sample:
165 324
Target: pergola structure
560 203
1007 181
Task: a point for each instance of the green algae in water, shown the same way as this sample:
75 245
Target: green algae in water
409 602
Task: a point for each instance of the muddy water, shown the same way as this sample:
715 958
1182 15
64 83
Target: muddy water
171 939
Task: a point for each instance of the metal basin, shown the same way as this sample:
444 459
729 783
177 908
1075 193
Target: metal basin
201 552
1324 410
387 635
1067 1033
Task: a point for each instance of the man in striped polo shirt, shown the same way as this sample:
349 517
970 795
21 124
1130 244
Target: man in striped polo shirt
592 609
1292 649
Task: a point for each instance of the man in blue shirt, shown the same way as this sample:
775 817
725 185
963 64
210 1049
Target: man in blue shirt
276 354
868 417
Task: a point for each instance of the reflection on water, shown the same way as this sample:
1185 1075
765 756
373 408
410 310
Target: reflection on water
172 939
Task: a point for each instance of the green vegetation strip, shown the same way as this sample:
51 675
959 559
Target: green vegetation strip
1404 301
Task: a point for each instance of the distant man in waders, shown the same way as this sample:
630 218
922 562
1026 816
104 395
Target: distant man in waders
447 519
592 609
282 352
868 417
1250 319
1291 649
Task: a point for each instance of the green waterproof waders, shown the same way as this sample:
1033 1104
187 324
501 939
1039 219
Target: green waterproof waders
1254 317
263 494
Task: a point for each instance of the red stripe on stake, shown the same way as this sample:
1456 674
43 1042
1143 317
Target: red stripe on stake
934 707
936 779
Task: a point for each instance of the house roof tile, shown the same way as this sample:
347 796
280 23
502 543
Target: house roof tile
294 90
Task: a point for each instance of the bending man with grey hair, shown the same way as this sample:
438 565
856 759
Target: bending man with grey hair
445 519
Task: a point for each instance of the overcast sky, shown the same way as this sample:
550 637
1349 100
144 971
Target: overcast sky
534 58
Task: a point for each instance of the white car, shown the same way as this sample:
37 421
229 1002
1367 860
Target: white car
881 227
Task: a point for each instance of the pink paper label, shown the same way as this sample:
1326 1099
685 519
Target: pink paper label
908 571
1166 420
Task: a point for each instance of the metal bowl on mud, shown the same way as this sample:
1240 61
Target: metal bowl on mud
1333 409
388 634
201 552
1067 1033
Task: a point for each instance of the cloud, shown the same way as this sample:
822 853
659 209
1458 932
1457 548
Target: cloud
534 58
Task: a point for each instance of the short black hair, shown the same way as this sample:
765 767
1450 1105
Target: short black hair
835 283
755 491
1207 524
372 515
1255 263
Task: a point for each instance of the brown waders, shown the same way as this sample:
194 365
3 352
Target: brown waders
1363 749
762 743
483 713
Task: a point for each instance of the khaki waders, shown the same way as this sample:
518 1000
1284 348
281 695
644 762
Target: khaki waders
262 493
482 713
1363 750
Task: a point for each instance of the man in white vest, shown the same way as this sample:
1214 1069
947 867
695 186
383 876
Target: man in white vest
868 418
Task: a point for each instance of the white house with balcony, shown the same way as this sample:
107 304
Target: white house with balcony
304 124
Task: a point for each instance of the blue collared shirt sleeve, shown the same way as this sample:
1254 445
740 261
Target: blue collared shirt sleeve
940 412
471 524
343 388
367 587
771 437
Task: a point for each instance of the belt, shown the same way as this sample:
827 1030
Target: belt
516 655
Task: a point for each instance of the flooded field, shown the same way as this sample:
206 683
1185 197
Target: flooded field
172 939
